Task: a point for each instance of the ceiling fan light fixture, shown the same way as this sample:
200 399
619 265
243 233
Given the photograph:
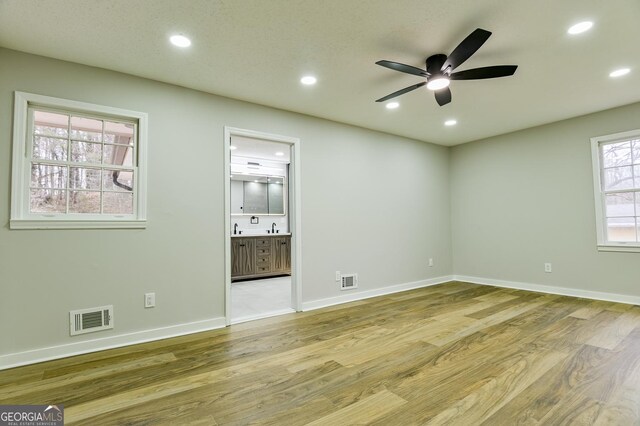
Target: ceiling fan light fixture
438 83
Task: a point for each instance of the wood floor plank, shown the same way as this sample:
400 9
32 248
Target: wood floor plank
456 353
610 336
501 306
15 391
589 377
481 404
623 407
363 411
299 414
496 297
462 311
591 310
456 333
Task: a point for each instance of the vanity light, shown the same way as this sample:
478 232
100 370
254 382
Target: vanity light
450 123
580 27
180 40
279 154
620 72
308 80
233 147
392 105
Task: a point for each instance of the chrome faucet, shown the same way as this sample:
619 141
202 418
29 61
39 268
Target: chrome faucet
273 228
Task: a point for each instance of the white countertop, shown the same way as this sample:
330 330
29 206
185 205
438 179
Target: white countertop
279 234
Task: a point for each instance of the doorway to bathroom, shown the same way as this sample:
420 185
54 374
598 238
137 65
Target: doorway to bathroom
262 224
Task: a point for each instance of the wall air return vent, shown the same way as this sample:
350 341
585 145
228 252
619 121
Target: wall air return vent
89 320
348 281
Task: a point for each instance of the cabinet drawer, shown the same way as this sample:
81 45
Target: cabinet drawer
262 268
263 259
261 251
263 242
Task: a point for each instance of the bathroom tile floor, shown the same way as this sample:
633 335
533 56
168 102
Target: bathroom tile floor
260 298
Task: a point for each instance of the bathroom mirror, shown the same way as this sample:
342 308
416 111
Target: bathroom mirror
257 194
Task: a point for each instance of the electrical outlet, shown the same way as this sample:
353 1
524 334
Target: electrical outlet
338 276
547 267
149 300
430 262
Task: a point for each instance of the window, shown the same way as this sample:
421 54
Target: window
616 166
77 165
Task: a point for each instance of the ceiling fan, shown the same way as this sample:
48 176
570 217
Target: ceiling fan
439 69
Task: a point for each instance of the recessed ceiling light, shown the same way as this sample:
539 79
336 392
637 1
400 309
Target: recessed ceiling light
308 80
450 123
438 83
279 154
580 27
233 147
392 105
180 40
620 72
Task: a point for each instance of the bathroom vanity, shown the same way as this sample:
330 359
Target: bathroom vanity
258 256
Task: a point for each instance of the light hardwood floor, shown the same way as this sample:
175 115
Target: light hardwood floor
456 353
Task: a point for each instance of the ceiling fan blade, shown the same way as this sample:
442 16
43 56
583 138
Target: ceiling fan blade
443 96
402 91
484 72
468 47
397 66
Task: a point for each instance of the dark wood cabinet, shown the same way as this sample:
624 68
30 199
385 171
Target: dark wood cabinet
262 256
243 256
281 254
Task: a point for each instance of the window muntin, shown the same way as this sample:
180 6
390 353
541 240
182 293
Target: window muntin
77 165
617 164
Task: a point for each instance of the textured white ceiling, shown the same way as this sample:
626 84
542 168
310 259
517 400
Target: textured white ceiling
257 50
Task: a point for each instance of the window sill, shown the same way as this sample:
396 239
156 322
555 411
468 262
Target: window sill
77 224
621 247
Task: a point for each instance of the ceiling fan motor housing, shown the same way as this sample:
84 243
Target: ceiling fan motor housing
435 63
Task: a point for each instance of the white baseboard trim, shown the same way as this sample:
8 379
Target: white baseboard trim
563 291
354 296
78 348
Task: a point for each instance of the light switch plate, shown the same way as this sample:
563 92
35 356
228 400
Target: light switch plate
149 300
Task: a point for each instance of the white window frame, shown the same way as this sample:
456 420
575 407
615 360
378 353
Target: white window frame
21 217
601 223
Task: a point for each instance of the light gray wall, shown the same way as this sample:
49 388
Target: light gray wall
522 199
358 213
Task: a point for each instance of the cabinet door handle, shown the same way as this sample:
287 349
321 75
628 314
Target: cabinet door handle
241 245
